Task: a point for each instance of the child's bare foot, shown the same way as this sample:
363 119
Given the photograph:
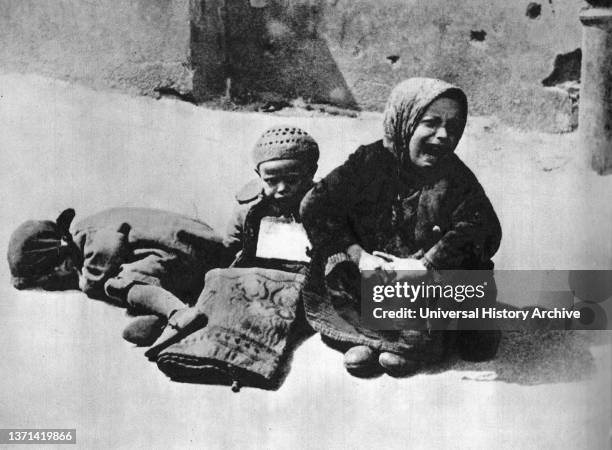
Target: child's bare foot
144 331
397 365
361 361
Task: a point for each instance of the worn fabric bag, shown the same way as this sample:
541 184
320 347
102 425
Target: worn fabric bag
254 319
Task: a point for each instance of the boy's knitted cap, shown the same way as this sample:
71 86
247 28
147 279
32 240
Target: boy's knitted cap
35 247
285 142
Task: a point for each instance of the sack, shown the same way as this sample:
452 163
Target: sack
253 323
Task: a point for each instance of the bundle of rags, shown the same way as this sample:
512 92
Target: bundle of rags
254 322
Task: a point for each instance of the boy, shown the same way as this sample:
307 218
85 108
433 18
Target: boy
285 159
145 259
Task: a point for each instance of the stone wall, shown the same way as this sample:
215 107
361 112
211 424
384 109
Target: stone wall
138 45
347 53
493 49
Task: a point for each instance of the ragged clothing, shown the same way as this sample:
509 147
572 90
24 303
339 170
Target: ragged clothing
381 200
447 220
124 246
243 229
368 200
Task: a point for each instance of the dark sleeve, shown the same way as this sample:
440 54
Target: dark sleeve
326 207
474 235
104 251
234 234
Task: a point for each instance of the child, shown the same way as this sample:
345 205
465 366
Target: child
253 309
145 259
407 204
285 159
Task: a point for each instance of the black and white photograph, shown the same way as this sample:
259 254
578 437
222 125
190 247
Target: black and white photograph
306 224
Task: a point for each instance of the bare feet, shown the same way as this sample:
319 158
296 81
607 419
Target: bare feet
144 330
397 365
361 361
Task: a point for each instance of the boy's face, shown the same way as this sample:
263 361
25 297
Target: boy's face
286 179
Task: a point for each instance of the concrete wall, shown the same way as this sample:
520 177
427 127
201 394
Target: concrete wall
345 52
502 74
276 53
139 45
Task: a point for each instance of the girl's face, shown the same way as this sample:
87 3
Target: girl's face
437 133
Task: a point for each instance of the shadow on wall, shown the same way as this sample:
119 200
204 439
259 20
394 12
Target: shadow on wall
265 54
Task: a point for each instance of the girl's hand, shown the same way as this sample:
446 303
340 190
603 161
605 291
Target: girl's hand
363 259
410 268
368 261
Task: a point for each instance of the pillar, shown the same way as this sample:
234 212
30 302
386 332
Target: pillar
595 116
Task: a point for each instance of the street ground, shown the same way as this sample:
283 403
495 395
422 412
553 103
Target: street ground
66 366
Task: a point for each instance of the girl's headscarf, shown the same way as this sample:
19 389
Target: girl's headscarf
407 104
